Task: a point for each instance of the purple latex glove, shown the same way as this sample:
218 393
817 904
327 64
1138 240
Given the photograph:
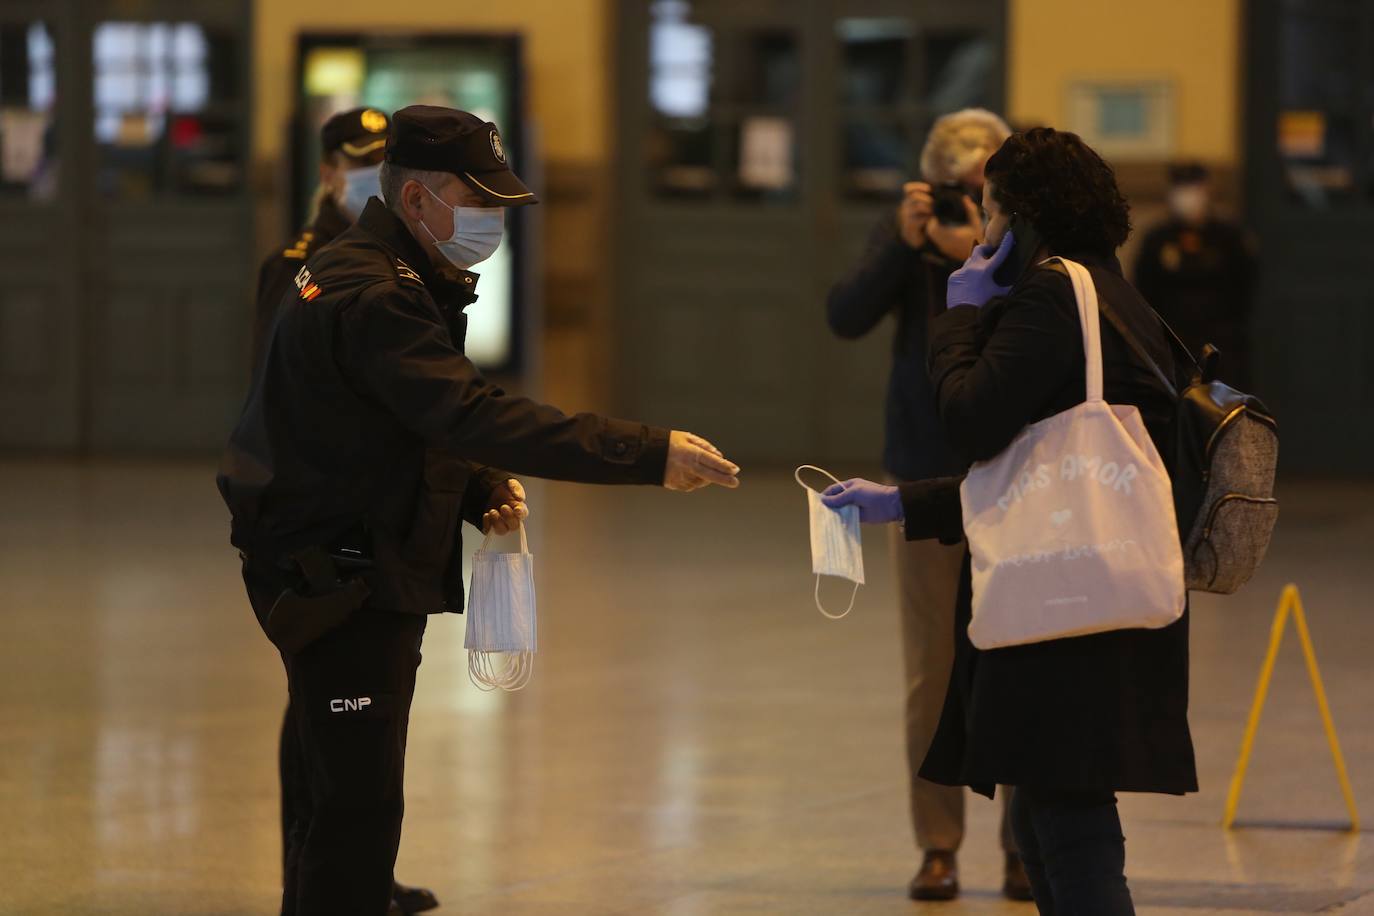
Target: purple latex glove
973 284
878 505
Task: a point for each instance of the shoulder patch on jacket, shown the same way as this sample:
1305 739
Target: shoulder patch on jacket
406 272
306 284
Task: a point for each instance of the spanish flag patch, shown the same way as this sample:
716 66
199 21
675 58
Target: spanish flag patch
310 292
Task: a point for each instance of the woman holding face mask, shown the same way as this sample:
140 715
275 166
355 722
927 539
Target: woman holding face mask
1068 722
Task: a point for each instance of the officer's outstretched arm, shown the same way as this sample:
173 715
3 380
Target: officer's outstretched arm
395 346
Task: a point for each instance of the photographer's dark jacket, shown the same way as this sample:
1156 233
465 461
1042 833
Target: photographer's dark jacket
1107 712
891 277
367 428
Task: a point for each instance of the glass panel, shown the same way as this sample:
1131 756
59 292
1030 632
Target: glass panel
959 69
1318 130
877 159
681 160
681 57
681 143
28 112
166 110
1318 151
1319 58
873 60
770 70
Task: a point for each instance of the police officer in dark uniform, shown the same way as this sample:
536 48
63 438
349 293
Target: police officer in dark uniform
367 438
1198 271
352 144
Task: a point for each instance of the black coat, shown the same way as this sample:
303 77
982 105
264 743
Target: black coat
892 278
1107 712
367 428
277 275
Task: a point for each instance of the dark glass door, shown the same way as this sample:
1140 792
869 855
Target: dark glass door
1310 189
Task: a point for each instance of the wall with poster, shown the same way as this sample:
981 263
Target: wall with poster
1192 47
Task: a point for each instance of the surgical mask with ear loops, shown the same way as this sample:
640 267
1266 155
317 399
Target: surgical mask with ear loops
836 547
359 185
476 234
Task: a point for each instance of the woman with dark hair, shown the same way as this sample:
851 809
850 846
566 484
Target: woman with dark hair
1068 722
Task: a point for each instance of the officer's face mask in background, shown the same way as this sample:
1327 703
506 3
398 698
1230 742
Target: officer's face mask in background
359 185
836 549
476 234
1189 202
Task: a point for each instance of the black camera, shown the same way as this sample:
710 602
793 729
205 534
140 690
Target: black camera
949 204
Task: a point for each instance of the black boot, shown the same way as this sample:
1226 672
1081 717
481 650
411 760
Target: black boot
410 900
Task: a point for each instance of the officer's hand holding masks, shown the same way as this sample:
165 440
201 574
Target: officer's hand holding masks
506 509
694 463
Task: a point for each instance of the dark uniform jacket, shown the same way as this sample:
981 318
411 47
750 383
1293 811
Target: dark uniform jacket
363 381
277 276
1107 712
1201 280
892 278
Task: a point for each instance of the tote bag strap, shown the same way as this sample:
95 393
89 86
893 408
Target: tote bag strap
1085 294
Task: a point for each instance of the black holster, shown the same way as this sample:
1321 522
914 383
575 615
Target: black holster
300 616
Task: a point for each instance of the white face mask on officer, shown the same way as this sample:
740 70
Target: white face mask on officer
359 185
1189 202
476 233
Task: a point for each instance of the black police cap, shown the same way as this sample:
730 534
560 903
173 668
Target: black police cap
357 132
448 140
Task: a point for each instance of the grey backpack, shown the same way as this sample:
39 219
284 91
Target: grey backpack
1225 449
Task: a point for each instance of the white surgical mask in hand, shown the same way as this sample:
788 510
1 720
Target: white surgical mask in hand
836 548
502 625
476 234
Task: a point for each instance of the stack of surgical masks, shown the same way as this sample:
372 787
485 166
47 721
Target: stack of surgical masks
502 624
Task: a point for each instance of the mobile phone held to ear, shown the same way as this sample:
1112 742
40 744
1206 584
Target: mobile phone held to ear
1027 243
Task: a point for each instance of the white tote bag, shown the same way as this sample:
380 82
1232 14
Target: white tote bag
1072 528
502 633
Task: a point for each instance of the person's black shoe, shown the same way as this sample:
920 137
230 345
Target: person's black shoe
412 899
938 878
1016 886
394 909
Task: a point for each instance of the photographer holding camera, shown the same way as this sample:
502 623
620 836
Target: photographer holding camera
910 255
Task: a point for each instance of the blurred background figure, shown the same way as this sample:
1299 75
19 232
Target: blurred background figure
911 253
1198 271
352 144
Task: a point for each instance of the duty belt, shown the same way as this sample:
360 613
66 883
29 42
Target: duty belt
298 619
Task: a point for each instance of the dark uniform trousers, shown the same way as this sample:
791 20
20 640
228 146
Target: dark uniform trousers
343 746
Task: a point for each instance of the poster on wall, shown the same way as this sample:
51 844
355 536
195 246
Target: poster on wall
1124 119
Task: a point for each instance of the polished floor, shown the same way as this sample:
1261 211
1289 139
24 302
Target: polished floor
696 740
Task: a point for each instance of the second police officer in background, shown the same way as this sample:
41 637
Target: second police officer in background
903 273
352 144
1198 271
367 438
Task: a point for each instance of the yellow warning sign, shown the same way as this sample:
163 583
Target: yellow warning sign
1290 603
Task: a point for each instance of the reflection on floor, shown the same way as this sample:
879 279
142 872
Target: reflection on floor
697 739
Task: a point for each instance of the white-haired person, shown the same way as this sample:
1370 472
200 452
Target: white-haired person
903 272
